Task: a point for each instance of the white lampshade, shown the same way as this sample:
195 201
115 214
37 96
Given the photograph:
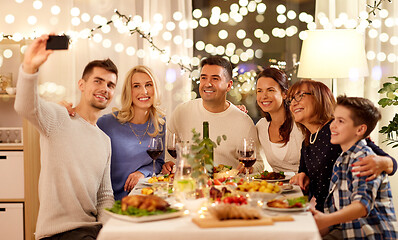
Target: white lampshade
338 53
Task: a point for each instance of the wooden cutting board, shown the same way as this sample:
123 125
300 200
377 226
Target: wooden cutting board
211 222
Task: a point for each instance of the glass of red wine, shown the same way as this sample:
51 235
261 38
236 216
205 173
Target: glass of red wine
155 148
247 155
172 144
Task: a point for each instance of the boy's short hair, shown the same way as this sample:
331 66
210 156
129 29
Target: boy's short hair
363 111
106 64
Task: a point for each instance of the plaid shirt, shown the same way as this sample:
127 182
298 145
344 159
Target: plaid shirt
375 196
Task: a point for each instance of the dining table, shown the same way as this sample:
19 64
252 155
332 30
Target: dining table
181 228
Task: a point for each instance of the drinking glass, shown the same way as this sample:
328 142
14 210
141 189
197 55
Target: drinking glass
247 154
155 148
172 145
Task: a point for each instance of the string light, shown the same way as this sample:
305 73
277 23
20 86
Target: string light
237 12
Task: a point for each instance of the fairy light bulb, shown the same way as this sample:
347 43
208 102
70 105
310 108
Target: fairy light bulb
224 17
261 7
9 18
7 53
167 36
37 4
75 11
183 25
177 16
291 14
158 17
85 17
223 34
247 42
203 22
55 10
32 20
170 26
97 37
241 33
200 45
130 51
107 43
381 56
281 19
197 13
281 9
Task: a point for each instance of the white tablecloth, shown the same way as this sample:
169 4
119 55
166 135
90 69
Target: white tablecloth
303 227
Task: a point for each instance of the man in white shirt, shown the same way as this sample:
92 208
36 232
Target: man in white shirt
75 184
224 118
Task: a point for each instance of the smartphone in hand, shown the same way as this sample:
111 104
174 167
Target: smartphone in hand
56 42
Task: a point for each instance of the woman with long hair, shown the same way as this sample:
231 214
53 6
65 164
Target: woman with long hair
278 134
131 128
312 105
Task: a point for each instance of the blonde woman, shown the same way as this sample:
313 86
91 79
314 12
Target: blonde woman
130 129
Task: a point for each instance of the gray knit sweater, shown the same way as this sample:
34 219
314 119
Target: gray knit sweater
74 183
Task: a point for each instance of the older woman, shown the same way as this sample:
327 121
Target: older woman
312 105
279 136
131 128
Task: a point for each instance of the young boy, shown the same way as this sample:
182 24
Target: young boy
358 209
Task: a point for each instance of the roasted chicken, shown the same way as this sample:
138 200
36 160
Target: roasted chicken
150 202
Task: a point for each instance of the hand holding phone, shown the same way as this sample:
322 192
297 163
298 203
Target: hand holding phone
56 42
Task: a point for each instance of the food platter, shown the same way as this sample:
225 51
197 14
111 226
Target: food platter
149 218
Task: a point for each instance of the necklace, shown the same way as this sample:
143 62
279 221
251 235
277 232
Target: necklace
139 137
316 135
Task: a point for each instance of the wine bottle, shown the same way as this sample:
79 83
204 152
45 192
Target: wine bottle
208 162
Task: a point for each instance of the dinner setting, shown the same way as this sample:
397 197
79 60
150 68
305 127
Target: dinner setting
188 119
229 199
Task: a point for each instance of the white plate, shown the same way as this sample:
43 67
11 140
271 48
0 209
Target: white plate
288 176
303 209
146 218
146 183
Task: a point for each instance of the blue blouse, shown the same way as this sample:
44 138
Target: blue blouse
128 155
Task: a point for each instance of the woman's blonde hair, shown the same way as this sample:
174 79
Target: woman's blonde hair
126 113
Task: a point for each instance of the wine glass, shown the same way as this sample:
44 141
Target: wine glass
155 148
172 145
247 154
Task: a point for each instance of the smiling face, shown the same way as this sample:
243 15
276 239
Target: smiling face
343 130
142 91
269 95
214 85
304 110
98 88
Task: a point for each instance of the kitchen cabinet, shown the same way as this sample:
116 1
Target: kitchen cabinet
19 176
11 221
11 175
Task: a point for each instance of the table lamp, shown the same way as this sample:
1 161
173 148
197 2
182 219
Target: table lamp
337 53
